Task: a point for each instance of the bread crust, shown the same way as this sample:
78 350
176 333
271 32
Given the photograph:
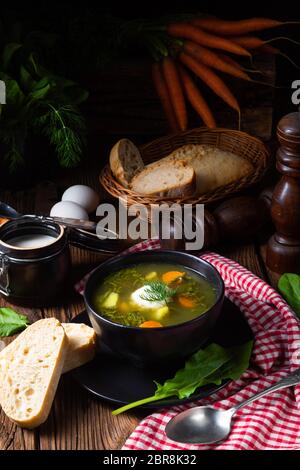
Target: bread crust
82 345
181 190
9 364
124 171
214 167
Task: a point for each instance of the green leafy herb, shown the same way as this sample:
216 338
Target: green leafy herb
61 125
289 286
128 277
39 102
11 322
210 365
157 291
128 319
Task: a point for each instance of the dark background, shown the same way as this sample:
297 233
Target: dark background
53 15
43 9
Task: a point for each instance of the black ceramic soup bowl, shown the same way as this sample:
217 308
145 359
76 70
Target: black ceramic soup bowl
150 346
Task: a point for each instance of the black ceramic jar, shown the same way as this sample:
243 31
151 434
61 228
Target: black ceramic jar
35 273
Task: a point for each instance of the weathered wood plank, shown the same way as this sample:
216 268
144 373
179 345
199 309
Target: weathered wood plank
246 255
79 421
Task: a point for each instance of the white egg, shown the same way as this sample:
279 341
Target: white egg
83 195
70 210
136 298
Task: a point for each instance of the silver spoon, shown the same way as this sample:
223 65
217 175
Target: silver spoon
206 425
9 212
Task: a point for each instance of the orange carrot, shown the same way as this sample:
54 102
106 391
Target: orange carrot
189 31
3 221
236 28
163 94
269 49
175 91
151 324
273 50
211 79
230 60
248 42
186 302
196 99
212 59
171 276
254 43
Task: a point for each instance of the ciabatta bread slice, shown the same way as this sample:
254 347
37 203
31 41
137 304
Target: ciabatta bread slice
82 345
125 161
163 179
30 369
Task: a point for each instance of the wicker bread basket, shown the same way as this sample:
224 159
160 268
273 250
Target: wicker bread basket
233 141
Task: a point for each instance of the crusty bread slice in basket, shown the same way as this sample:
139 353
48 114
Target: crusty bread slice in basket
30 371
239 143
125 161
213 167
165 180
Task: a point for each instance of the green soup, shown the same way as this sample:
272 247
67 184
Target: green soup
153 295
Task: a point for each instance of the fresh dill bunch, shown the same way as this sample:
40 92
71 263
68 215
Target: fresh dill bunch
133 318
157 291
64 127
14 142
38 102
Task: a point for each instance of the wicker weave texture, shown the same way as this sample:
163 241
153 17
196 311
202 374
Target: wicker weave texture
233 141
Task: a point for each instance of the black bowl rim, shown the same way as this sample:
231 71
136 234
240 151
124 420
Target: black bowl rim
163 328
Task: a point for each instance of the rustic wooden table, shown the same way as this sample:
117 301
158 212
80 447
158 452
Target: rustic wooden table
79 421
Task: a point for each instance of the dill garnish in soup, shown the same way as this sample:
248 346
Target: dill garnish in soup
153 295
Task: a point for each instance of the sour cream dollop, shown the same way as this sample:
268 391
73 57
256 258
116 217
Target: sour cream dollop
137 295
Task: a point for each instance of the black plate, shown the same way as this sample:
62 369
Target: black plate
120 382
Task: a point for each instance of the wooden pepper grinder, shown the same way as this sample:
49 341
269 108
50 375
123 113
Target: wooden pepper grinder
283 251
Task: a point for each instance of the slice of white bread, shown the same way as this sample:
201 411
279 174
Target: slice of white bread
213 167
30 369
166 180
82 345
125 161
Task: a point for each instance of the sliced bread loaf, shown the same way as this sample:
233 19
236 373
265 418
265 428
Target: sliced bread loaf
165 180
125 161
82 345
30 368
213 167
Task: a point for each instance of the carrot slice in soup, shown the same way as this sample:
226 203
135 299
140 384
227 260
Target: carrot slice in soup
186 302
150 324
171 276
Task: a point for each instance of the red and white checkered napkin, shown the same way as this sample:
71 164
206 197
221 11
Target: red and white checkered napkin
272 422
